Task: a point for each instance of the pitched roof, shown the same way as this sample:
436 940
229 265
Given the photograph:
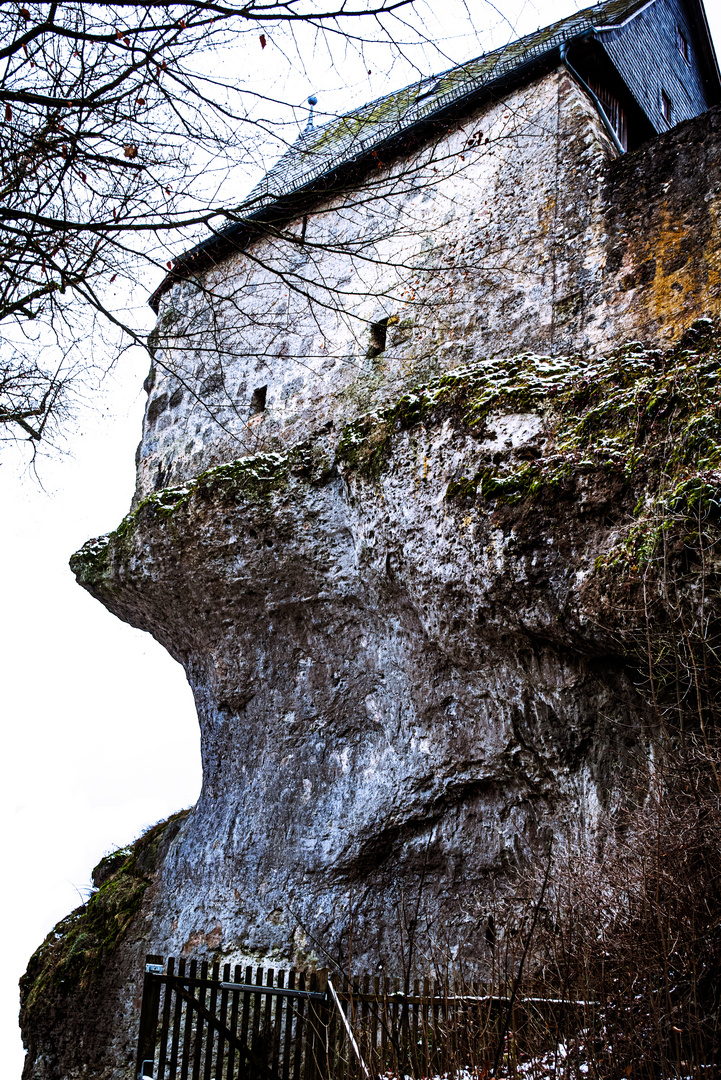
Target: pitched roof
342 139
347 139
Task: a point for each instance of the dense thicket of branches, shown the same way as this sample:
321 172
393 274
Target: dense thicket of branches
119 128
635 936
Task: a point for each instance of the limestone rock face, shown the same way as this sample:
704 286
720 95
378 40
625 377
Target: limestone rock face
395 691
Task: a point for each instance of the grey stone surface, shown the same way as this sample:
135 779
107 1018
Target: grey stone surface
395 692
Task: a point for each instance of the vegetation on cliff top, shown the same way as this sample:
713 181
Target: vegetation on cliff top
254 478
75 949
634 412
649 418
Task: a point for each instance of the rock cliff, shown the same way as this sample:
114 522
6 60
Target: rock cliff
409 613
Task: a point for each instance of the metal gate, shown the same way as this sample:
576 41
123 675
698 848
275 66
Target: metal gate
200 1023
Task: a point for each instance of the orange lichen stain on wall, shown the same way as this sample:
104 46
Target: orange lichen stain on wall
547 215
675 287
672 271
712 257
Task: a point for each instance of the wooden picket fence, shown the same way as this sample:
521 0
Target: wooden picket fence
203 1022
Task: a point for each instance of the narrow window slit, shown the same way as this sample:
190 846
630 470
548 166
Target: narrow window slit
666 106
257 401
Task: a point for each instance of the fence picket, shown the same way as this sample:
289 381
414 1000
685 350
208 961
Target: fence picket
373 1033
245 1019
165 1024
198 1047
187 1028
423 1013
299 1029
383 1009
212 1035
177 1025
233 1027
414 1009
255 1024
312 1071
278 1022
288 1034
266 1030
148 1020
218 1074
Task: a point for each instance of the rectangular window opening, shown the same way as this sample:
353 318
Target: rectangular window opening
682 41
666 106
257 401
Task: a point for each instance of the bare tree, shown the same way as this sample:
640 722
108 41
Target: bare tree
119 128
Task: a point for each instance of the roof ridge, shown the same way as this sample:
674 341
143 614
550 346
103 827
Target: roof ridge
293 169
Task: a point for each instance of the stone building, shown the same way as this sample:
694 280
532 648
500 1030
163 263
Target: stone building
405 662
480 230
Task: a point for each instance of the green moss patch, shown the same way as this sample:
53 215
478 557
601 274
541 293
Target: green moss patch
76 948
647 417
255 479
519 384
631 446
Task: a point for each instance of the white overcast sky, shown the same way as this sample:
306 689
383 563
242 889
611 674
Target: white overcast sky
100 732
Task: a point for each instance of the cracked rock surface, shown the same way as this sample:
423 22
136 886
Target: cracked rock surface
396 683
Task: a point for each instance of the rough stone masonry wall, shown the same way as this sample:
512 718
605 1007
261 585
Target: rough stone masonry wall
522 240
662 234
393 625
487 242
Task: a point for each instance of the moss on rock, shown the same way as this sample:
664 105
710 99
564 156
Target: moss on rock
651 418
255 479
76 948
519 384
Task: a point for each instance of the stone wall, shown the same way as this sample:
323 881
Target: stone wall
527 240
661 237
484 243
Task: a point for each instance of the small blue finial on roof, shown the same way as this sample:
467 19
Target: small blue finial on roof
312 100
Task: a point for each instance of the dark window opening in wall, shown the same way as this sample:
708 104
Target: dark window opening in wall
378 332
666 106
614 110
682 43
257 401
